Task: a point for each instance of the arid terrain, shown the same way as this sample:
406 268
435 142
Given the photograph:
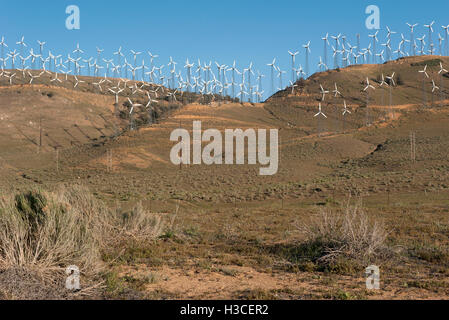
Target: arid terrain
231 233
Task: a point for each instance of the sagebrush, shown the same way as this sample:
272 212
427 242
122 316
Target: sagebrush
348 234
47 231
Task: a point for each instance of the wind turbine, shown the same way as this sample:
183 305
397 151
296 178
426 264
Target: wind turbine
389 33
293 85
116 93
374 36
131 118
280 72
77 81
273 68
344 58
392 84
412 40
148 107
41 47
55 79
119 55
335 49
434 88
446 32
33 58
10 78
381 56
358 41
78 51
423 43
218 73
335 53
172 71
345 111
320 112
233 69
3 45
442 70
152 58
368 86
307 48
293 55
440 44
259 79
108 63
382 84
188 66
22 44
22 70
32 77
250 71
143 67
135 54
319 115
430 27
13 55
133 71
323 93
369 52
321 65
425 75
403 40
336 92
300 72
326 43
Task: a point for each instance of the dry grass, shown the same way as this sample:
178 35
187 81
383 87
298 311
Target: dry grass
140 225
45 232
336 235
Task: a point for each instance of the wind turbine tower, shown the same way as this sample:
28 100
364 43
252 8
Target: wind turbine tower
412 38
326 43
188 66
273 67
374 36
3 44
425 75
446 33
391 85
307 48
430 26
293 55
250 71
368 86
442 70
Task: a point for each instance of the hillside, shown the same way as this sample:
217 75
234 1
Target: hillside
352 80
237 234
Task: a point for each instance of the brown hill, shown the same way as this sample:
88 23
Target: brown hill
238 234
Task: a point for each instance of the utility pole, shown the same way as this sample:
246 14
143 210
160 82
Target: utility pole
388 196
368 117
180 162
413 146
40 133
57 159
109 160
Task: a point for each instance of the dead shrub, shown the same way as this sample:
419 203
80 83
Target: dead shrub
342 239
45 232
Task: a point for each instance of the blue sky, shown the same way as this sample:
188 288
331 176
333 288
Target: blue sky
244 30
